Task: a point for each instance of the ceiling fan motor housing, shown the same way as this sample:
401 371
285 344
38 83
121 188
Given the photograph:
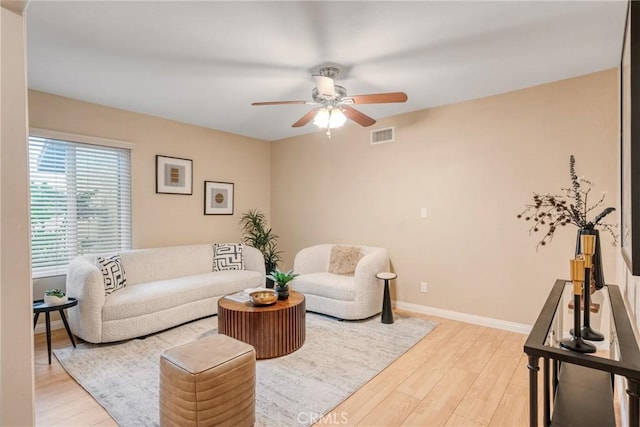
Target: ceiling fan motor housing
323 99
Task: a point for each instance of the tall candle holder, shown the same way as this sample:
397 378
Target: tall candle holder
588 249
576 343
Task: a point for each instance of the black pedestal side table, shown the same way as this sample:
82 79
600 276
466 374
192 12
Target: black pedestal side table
40 307
387 314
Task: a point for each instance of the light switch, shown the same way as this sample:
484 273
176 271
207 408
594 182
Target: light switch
423 212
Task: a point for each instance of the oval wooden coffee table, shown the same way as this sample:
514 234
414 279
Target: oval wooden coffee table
273 330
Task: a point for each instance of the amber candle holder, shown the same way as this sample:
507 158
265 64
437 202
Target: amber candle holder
588 245
576 343
576 269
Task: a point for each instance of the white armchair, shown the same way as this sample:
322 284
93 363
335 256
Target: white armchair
346 297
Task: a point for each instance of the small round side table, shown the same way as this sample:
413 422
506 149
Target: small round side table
387 314
40 307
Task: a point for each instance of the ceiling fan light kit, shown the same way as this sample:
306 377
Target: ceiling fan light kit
335 104
329 118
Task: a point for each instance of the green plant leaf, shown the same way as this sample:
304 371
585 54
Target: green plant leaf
256 233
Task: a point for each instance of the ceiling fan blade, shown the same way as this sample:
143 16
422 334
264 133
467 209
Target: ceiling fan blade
379 98
358 117
281 102
325 86
305 119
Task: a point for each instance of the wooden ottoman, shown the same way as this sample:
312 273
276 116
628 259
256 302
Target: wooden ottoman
210 381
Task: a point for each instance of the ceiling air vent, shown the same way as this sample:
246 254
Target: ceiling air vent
380 136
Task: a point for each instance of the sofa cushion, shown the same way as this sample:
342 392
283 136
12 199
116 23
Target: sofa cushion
145 298
228 256
112 273
343 259
328 285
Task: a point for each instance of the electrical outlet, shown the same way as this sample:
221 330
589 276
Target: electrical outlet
423 287
423 212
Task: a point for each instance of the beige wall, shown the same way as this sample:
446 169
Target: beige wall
473 165
16 344
163 219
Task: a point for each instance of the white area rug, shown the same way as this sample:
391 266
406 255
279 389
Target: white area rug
336 359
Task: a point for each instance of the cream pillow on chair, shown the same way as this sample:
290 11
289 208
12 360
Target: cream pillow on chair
343 260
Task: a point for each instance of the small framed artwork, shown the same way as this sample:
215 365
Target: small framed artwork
174 175
218 198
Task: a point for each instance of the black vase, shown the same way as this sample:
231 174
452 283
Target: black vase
268 268
269 283
596 269
283 292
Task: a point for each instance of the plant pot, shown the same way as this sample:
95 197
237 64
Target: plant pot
283 292
54 300
597 275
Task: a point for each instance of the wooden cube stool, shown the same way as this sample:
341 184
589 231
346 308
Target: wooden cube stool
210 381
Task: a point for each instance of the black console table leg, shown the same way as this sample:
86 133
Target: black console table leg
545 393
633 390
533 390
554 383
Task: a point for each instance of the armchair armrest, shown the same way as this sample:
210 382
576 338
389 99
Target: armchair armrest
313 259
367 286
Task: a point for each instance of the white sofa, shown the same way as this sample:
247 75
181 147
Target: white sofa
165 287
345 297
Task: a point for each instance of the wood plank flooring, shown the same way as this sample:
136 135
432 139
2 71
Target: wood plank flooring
458 375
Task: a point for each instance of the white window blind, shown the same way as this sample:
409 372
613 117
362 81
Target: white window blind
80 202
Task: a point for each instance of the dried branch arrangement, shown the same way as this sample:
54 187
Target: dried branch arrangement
548 212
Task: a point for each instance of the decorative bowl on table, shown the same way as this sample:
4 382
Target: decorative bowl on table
55 297
263 297
54 300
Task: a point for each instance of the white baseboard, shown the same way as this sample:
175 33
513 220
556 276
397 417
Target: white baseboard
41 328
520 328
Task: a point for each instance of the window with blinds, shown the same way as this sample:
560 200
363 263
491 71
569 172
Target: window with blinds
80 202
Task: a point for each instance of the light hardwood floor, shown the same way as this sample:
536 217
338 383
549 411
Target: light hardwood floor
458 375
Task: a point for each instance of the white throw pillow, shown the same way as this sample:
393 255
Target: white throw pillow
228 256
113 273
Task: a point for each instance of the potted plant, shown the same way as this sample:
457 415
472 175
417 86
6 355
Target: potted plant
54 297
258 234
548 212
282 282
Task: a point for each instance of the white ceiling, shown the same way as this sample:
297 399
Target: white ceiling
205 62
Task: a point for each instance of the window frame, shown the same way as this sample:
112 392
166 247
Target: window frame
60 269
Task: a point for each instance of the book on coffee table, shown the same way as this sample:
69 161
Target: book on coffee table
238 297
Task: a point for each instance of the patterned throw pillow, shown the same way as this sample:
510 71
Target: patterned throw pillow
113 273
228 256
343 260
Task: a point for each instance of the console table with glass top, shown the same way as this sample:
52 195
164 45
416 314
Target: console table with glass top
618 354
